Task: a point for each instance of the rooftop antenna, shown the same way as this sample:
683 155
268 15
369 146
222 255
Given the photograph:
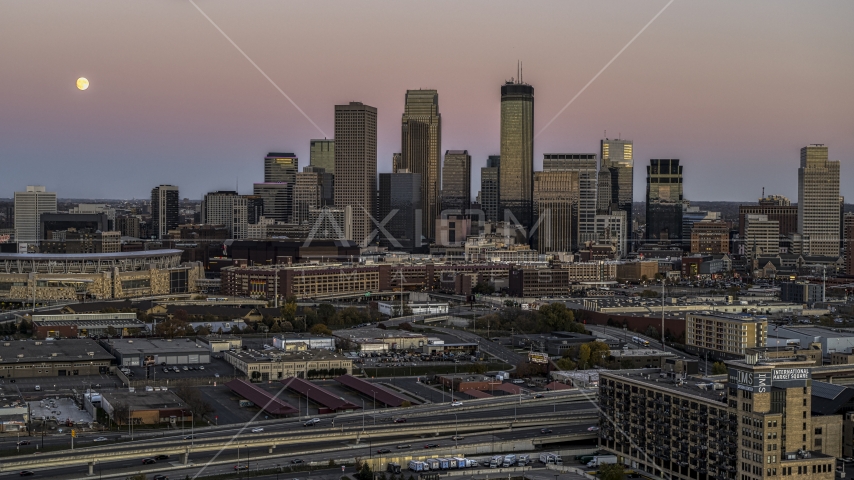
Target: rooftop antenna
521 71
763 192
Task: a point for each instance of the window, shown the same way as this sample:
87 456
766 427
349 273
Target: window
818 431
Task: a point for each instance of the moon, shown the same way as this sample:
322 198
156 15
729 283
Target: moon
82 83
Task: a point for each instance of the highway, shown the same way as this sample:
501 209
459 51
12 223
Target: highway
307 452
505 406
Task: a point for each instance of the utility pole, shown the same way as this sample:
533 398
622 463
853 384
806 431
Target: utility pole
663 278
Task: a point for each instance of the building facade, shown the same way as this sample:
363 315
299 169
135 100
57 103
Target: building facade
456 181
29 207
421 150
322 154
758 425
556 197
229 209
818 200
664 201
585 165
164 210
710 237
761 236
617 159
356 164
277 199
313 189
400 202
724 336
489 188
785 215
516 181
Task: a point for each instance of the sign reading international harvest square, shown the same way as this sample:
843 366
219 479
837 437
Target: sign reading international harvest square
785 374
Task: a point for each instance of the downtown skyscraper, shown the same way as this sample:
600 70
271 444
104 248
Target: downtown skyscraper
356 164
164 210
616 172
664 199
489 189
421 151
516 173
29 206
456 181
585 165
818 201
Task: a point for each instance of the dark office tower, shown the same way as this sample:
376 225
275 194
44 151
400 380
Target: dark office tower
322 154
356 164
164 210
313 190
277 199
664 201
517 151
254 208
618 160
585 165
489 188
421 150
401 192
556 199
603 192
456 181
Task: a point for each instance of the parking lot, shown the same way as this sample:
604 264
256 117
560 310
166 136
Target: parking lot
216 367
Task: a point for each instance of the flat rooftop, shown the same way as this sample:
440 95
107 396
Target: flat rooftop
74 349
146 400
279 356
145 346
376 333
641 352
690 386
814 331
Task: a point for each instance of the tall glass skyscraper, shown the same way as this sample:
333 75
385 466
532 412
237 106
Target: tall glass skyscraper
322 154
516 185
456 181
664 200
421 150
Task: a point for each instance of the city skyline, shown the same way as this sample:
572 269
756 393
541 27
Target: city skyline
762 90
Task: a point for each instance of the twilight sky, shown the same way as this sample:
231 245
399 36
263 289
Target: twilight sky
732 88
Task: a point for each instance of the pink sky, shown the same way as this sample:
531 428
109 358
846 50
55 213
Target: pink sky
732 88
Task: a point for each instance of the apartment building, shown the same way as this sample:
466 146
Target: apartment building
724 336
756 425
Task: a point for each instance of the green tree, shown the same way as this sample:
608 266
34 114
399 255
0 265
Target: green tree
566 364
718 368
651 332
111 331
365 472
611 471
584 355
320 329
171 327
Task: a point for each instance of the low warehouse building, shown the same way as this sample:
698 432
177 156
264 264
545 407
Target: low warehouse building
73 325
142 352
59 358
145 408
272 365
